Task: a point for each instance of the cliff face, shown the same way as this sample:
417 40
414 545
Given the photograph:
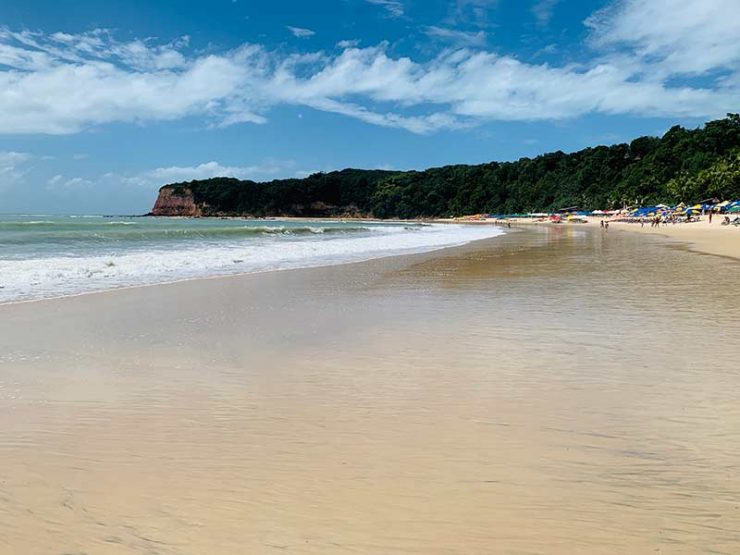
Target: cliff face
181 203
225 197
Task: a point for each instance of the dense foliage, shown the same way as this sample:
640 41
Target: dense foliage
686 165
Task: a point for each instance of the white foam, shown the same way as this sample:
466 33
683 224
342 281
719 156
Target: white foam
54 276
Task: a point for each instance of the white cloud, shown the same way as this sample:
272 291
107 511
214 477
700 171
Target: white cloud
682 36
348 44
62 83
91 81
13 168
543 10
300 32
171 174
455 36
59 182
393 7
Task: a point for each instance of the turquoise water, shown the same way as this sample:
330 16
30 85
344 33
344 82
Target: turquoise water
47 256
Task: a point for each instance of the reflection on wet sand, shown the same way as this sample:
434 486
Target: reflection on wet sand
552 391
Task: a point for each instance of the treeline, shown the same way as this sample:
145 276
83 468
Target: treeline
685 165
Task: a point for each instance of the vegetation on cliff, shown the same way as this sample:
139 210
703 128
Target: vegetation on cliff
684 165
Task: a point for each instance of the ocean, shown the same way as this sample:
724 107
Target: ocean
50 256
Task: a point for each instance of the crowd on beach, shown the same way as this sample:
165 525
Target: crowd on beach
728 211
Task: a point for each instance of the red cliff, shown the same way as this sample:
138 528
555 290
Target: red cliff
171 202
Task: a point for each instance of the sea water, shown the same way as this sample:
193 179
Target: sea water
48 256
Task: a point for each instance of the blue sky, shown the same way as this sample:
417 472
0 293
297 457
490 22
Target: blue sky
103 102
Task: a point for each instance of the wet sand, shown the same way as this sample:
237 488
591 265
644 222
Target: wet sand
557 390
702 236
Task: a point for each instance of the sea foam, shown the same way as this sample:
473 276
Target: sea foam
183 253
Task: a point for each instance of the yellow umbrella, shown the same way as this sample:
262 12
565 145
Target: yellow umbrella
722 204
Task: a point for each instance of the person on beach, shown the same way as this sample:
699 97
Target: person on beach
710 216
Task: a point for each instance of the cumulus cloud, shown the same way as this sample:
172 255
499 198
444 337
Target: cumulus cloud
300 32
14 167
171 174
63 83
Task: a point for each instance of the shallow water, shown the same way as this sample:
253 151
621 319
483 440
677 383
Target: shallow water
54 256
554 391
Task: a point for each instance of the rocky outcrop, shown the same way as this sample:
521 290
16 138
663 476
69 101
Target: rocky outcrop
179 200
176 202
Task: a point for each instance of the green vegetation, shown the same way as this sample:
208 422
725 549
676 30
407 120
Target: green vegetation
684 165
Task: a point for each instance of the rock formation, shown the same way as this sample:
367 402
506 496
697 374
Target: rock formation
171 202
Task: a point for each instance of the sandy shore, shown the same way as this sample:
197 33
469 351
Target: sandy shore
557 390
699 236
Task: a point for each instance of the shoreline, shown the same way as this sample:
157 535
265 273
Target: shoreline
698 237
401 255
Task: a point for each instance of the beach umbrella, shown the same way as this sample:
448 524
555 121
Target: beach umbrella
734 209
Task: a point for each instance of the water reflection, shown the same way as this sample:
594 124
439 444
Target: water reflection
549 392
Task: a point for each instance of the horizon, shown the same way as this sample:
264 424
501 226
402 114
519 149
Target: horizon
107 104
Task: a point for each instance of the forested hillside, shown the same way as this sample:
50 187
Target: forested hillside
684 165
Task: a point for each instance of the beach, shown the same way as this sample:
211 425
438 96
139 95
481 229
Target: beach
702 236
557 389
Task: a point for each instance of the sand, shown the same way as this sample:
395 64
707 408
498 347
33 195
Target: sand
700 236
558 390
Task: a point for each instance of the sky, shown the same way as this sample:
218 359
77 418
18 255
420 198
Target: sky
103 102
